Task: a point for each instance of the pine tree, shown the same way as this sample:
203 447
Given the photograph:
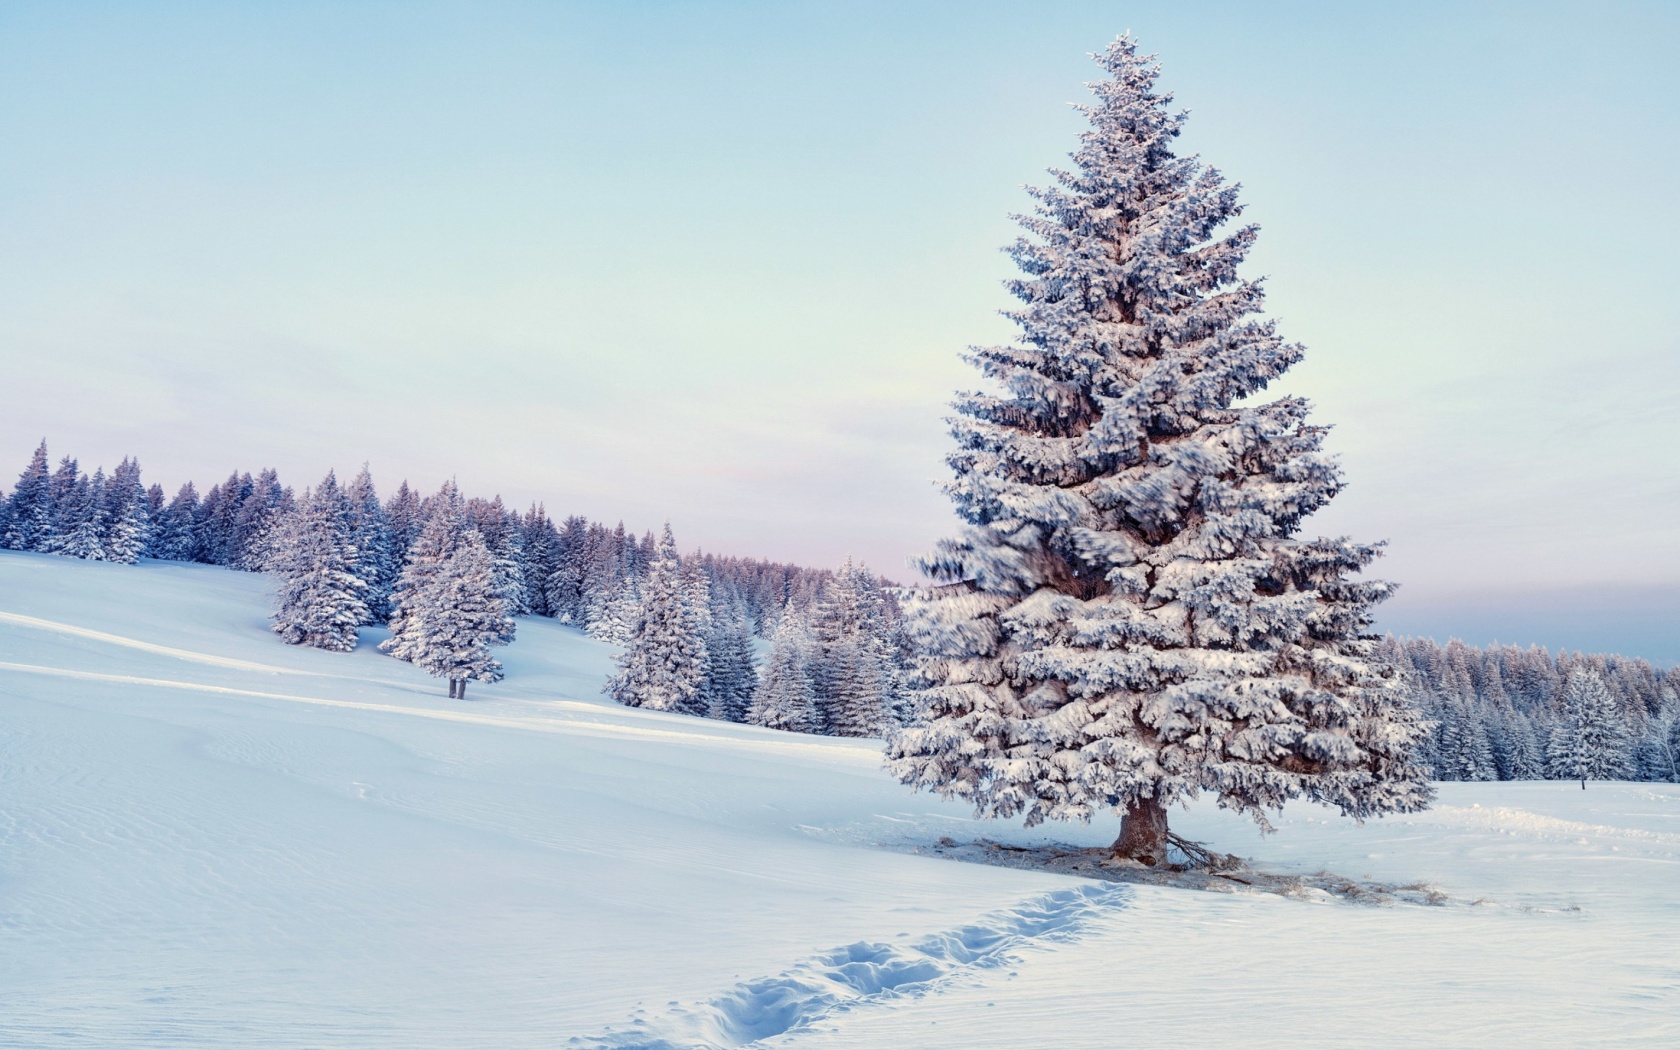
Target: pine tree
1591 741
67 498
1129 621
417 585
29 511
128 513
613 619
319 599
86 520
732 666
370 534
173 537
786 697
402 510
852 671
663 666
463 618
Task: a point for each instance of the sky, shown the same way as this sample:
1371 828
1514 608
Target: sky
717 262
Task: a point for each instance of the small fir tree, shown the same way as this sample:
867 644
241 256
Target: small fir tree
786 696
319 598
1590 743
417 586
732 665
663 667
464 617
370 534
29 511
1129 619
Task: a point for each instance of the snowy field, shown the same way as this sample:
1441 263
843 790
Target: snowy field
210 839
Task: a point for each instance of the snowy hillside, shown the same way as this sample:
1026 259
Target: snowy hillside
208 838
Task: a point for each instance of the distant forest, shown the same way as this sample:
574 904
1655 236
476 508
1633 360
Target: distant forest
1499 712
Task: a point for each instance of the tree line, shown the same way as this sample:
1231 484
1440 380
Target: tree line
1509 713
449 574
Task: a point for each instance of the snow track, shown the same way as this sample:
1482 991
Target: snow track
761 741
36 623
867 973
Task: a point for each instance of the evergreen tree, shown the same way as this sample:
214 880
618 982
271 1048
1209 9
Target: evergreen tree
1656 757
319 598
403 512
613 618
851 669
86 520
563 588
67 496
1128 621
173 537
29 511
128 514
663 666
732 666
1527 761
463 618
371 535
418 585
786 697
1591 741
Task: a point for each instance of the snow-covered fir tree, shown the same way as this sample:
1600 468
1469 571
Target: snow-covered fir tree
1591 742
731 666
1129 620
613 618
173 534
318 601
29 511
463 618
370 535
128 515
664 665
86 520
417 585
786 698
852 669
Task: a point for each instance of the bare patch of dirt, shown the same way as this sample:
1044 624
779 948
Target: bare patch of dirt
1191 866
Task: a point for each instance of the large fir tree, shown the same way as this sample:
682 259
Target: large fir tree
1129 620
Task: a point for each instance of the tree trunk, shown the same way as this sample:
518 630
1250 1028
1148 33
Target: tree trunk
452 689
463 694
1143 833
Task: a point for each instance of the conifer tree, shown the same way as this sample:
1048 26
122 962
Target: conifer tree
786 697
370 534
1591 741
173 537
463 617
29 510
1129 619
67 498
417 586
129 519
852 660
319 597
732 666
663 667
86 520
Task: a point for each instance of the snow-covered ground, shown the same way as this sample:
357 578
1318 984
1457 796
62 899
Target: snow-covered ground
210 839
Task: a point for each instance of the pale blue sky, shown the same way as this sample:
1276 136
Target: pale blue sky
716 261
